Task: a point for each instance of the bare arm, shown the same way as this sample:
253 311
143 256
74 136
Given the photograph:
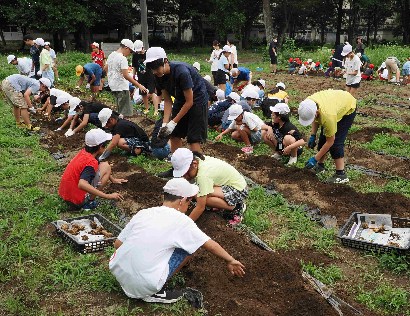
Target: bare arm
67 121
118 243
83 123
80 82
45 67
167 106
315 127
199 208
326 147
218 137
27 97
133 81
84 185
189 101
114 142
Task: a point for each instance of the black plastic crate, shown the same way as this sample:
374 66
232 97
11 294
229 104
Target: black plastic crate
90 246
370 246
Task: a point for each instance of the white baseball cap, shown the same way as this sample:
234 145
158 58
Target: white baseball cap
46 43
104 116
10 58
197 65
347 49
309 60
181 161
96 137
281 108
138 45
307 111
46 82
207 78
95 44
74 102
39 41
234 111
250 93
220 94
128 43
155 53
61 100
359 55
262 82
281 84
234 96
383 65
181 187
226 49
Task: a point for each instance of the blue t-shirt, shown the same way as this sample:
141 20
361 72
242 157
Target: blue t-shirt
222 62
183 77
228 89
318 67
244 74
35 56
406 65
92 69
22 83
245 106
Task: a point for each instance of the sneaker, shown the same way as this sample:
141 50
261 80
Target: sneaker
236 220
338 178
318 169
145 111
292 160
164 296
90 205
167 174
21 125
156 113
32 110
247 150
277 156
31 128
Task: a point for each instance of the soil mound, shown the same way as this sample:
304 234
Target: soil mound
367 134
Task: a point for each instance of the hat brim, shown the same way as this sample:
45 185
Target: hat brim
150 60
178 173
78 73
233 117
306 122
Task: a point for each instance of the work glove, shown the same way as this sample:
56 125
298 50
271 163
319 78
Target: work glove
105 155
87 86
78 87
69 133
39 73
166 129
58 129
32 110
60 119
312 141
311 163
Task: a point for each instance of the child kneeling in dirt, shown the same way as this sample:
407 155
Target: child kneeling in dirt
221 186
127 135
158 242
84 178
281 135
246 128
334 111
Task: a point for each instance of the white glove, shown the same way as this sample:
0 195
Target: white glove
39 73
166 130
58 129
59 119
78 87
121 116
87 86
69 133
32 110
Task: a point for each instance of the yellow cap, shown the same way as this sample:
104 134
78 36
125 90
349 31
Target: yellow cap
79 70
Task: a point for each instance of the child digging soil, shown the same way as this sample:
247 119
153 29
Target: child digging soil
158 242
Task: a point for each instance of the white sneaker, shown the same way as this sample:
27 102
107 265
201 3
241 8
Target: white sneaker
292 160
277 156
32 110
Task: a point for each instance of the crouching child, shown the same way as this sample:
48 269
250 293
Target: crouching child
84 178
158 242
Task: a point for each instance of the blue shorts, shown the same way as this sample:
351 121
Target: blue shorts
135 142
256 137
98 75
176 259
161 153
93 119
405 71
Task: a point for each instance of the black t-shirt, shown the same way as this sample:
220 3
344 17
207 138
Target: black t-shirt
338 53
211 90
183 77
128 129
88 173
155 142
94 107
138 63
273 45
285 129
368 72
35 55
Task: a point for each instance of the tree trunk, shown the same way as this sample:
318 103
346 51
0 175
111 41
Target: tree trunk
179 34
144 23
375 26
77 37
369 23
267 19
154 27
339 21
88 39
322 33
406 22
3 40
24 31
201 32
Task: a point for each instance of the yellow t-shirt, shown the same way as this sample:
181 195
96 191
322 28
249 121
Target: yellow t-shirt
215 172
281 95
45 58
333 105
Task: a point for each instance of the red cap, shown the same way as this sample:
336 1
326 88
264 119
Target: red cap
290 60
371 66
409 58
306 63
297 59
299 62
317 64
330 64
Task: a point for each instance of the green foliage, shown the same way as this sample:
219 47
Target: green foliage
329 275
390 144
151 164
393 261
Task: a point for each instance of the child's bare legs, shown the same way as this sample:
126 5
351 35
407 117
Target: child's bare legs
352 91
102 83
105 171
242 135
217 199
24 114
289 140
123 145
154 100
55 70
271 142
222 87
145 99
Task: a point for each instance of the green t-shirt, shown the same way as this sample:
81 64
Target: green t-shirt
365 59
45 58
214 172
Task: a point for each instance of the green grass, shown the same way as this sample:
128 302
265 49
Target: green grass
394 262
150 163
389 144
329 275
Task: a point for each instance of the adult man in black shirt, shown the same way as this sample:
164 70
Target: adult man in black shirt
127 135
87 113
146 78
359 46
34 53
273 53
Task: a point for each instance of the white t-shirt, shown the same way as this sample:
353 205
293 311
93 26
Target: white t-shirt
222 62
116 63
149 239
234 52
251 120
351 66
302 69
214 57
53 55
24 65
60 93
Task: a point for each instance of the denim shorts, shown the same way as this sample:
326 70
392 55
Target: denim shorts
93 119
405 71
161 153
256 137
176 259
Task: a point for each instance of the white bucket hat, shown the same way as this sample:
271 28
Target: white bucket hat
234 96
262 82
46 82
347 49
281 84
207 78
74 102
220 94
39 41
197 65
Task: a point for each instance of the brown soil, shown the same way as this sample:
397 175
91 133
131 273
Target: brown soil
379 113
367 134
